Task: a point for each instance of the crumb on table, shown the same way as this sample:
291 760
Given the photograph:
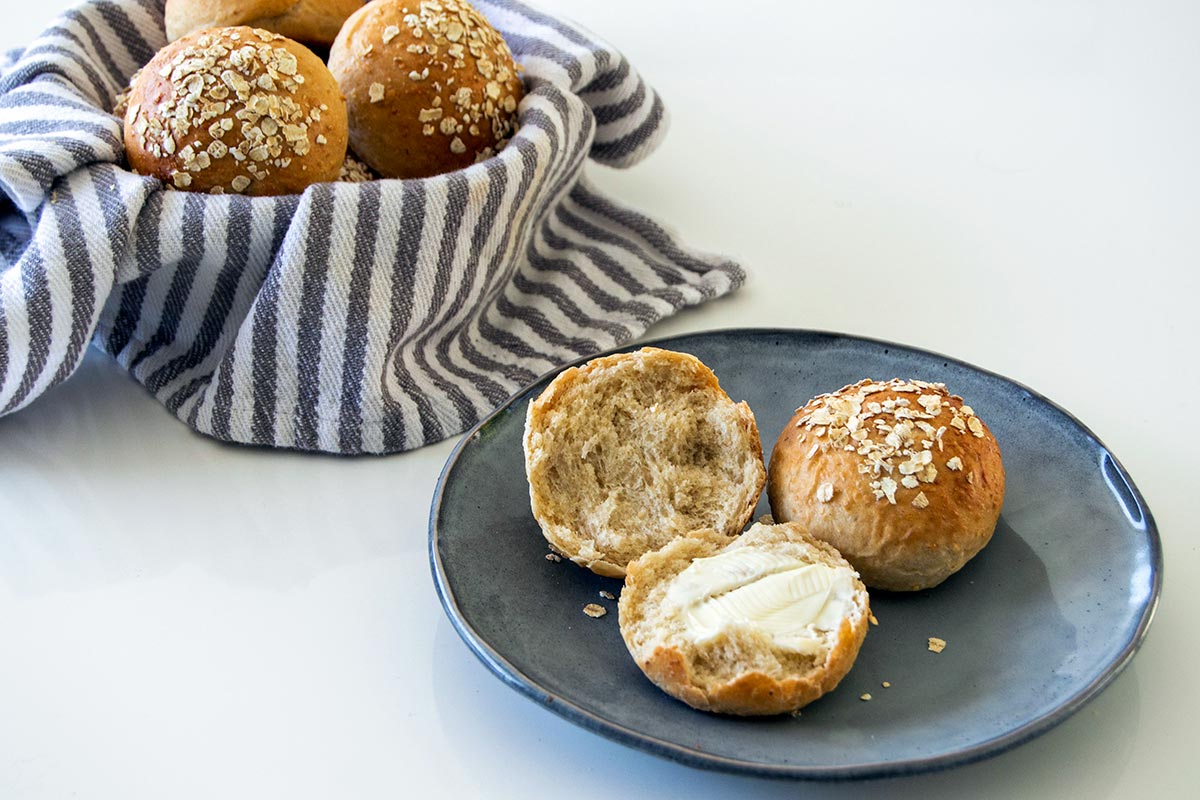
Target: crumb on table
936 645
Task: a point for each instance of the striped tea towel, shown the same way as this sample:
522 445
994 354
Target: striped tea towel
354 318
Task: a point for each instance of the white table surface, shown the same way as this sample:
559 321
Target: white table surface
1017 185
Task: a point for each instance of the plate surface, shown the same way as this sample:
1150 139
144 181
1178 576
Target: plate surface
1036 625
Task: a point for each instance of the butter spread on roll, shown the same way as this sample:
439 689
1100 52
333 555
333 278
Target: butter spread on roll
796 603
764 623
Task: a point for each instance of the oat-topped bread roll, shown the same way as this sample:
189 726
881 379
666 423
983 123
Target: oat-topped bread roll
900 476
762 624
314 22
629 451
239 110
431 87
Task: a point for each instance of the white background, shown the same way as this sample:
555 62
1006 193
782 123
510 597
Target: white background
1013 183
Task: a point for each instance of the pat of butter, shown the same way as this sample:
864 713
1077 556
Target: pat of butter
795 603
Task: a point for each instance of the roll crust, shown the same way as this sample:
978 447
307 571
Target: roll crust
904 525
430 88
236 110
313 22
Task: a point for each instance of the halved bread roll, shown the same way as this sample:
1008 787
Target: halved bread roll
763 624
629 451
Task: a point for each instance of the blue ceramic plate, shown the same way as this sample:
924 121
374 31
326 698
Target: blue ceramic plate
1036 625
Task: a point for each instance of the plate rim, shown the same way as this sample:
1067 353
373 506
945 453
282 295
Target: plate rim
673 751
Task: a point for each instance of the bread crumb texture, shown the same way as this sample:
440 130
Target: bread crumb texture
742 670
936 645
629 451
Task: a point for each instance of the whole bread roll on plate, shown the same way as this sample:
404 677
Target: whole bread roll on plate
314 22
430 87
900 476
762 624
236 110
628 451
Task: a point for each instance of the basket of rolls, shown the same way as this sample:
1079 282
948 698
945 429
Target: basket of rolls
323 224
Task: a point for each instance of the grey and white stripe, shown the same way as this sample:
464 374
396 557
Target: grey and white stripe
364 318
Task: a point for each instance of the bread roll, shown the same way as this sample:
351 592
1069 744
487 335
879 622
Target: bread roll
430 87
900 476
238 110
629 451
763 624
314 22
